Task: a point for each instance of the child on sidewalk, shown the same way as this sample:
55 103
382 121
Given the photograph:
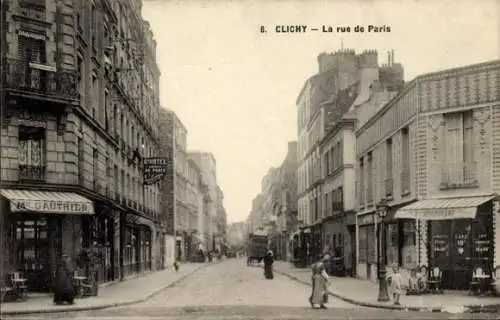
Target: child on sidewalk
396 285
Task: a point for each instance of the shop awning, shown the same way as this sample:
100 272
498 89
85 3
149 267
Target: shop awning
442 209
47 202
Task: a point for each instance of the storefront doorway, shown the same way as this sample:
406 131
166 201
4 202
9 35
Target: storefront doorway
459 246
37 246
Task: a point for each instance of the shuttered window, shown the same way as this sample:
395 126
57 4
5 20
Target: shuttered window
458 147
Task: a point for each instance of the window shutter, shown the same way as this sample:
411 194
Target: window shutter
454 154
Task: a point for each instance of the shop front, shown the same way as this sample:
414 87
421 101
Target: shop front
456 235
98 241
316 242
304 248
401 245
333 232
39 226
138 246
367 246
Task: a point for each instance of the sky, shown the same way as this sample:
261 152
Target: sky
235 88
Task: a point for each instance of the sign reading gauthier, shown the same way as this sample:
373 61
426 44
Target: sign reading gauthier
154 170
51 206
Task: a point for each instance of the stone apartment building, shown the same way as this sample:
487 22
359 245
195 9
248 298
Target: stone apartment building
287 214
336 72
429 155
80 89
338 234
176 187
195 191
254 220
207 165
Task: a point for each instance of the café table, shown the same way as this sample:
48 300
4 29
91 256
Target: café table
79 288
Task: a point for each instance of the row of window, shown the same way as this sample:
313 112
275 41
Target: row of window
333 158
310 137
32 163
456 148
367 175
123 56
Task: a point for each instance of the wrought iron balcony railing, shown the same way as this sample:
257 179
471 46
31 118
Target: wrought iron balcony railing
40 79
31 173
459 174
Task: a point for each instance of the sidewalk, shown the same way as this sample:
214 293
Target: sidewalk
365 293
133 290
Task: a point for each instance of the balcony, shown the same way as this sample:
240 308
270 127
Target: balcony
458 175
41 81
31 173
389 187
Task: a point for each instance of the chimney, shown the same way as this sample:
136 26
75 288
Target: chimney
392 57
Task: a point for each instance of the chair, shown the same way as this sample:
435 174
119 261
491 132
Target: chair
434 281
475 283
18 285
495 283
5 289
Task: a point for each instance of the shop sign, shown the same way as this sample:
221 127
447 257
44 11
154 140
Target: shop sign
51 206
366 219
154 169
438 213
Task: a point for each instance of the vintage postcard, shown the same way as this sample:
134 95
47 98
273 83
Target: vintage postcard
245 159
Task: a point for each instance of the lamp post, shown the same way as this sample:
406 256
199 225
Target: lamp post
383 296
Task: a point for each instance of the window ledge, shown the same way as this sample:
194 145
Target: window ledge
458 185
405 193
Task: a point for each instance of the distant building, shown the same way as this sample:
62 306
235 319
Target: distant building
207 165
287 214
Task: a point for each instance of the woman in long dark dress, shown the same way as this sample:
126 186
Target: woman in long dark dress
268 265
64 290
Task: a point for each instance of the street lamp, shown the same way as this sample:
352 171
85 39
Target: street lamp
383 296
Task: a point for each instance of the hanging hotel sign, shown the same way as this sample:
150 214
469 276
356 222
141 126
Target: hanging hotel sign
155 169
51 206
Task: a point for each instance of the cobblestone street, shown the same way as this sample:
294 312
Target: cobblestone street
231 290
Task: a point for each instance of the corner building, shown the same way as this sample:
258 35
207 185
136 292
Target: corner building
430 154
80 92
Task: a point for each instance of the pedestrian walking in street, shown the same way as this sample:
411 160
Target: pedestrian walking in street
396 285
268 265
176 265
64 290
320 282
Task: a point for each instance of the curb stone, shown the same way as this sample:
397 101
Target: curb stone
492 308
106 305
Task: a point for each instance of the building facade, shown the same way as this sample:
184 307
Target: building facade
195 203
436 140
207 164
182 209
338 185
90 71
337 71
287 214
167 185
